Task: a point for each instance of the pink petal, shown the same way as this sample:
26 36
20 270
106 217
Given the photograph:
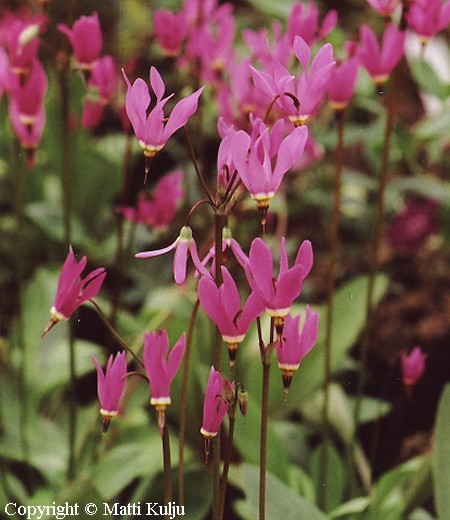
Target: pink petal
175 357
158 252
180 262
181 113
261 266
305 257
157 83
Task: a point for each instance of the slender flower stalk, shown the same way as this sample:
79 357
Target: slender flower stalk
375 243
183 404
266 358
334 256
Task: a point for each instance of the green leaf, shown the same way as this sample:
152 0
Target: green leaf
281 501
334 483
348 321
246 438
124 463
356 505
441 457
270 8
426 77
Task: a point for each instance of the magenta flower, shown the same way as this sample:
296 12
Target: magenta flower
222 305
184 246
412 366
153 130
380 61
215 404
161 369
228 244
298 97
111 386
254 161
385 7
22 41
428 17
158 208
278 292
411 228
304 21
341 84
72 291
86 40
211 45
170 31
102 84
27 112
294 346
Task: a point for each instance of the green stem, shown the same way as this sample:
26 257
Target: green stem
114 333
19 273
219 223
184 400
263 440
168 491
66 184
375 249
334 254
196 167
226 467
119 261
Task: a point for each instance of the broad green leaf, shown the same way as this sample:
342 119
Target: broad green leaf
281 501
279 10
348 321
334 484
246 438
441 457
356 505
427 78
124 463
389 492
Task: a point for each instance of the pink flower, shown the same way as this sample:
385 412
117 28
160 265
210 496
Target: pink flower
215 404
158 208
228 244
222 305
428 17
26 110
298 97
342 83
22 41
184 246
72 291
170 31
102 84
304 21
278 292
211 45
161 368
111 386
385 7
152 130
294 346
258 170
380 61
86 40
411 228
412 366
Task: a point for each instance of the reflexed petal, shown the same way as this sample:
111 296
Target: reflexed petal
181 113
261 267
305 257
180 262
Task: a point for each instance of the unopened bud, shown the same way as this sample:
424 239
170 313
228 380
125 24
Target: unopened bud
243 401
